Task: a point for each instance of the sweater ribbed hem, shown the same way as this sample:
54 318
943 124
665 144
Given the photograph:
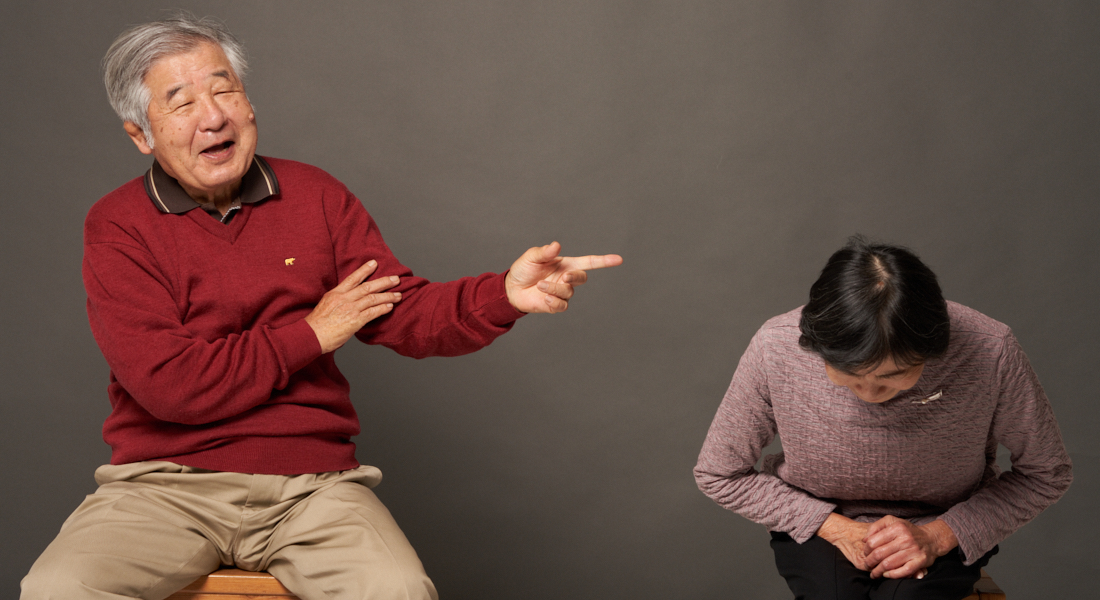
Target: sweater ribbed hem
272 456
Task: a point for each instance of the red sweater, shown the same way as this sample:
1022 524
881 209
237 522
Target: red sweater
202 324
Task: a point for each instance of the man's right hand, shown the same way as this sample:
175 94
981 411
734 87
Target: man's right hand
349 306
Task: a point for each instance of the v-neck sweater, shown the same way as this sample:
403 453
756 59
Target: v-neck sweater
928 453
212 364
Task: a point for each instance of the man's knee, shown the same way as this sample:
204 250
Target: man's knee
53 578
410 584
41 584
400 582
110 561
344 543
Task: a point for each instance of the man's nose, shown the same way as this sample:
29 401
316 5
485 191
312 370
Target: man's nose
212 115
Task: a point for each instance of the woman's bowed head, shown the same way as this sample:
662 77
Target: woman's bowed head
875 315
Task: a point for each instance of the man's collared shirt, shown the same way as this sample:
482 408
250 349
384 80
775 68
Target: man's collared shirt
259 183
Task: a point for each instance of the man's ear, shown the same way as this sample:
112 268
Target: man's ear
138 137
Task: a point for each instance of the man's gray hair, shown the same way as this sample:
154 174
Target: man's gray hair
134 52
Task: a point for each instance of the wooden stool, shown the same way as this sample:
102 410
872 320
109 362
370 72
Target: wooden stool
234 584
985 589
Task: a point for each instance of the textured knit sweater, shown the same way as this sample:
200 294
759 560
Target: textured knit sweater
202 324
928 453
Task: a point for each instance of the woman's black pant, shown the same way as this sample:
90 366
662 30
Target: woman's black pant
818 570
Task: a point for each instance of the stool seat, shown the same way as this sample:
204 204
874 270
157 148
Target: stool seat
985 589
234 584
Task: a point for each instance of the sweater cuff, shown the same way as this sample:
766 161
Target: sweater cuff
499 312
296 346
968 545
811 521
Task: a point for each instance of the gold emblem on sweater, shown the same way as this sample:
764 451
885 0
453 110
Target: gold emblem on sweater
289 262
932 398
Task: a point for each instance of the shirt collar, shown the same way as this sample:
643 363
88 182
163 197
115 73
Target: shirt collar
168 196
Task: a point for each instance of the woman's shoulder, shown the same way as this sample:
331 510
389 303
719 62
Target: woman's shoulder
784 324
778 336
968 324
977 340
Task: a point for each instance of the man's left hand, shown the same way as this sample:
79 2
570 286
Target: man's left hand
540 281
899 549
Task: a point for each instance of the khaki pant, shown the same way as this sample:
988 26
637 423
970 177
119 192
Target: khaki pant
153 527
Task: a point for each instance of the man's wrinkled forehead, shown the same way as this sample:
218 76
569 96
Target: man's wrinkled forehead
226 72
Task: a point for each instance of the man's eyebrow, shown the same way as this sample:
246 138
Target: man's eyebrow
173 91
224 74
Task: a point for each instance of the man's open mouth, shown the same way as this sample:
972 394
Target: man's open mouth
217 148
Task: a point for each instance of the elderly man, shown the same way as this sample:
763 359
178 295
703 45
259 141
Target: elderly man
219 285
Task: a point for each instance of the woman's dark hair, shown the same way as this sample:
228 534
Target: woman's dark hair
873 302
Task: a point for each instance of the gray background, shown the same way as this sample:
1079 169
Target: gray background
723 148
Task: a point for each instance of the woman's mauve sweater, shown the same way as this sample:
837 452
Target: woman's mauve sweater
928 453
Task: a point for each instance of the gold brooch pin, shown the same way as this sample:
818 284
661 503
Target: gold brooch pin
932 398
289 261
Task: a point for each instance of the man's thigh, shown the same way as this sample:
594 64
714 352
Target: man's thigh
118 544
341 542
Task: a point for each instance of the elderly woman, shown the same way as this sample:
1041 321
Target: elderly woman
890 403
